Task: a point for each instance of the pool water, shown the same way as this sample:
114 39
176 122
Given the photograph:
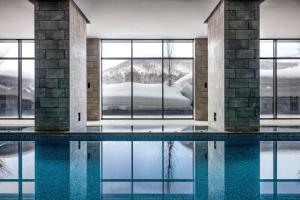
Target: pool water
150 170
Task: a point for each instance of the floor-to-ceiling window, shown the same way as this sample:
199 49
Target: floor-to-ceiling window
147 78
280 78
16 79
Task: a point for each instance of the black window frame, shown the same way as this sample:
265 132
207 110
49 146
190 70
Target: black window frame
275 59
162 58
19 58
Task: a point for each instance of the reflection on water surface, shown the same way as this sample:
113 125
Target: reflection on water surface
149 170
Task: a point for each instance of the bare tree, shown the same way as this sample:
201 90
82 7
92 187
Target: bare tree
169 51
170 165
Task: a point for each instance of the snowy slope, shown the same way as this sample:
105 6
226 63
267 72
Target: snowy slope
147 96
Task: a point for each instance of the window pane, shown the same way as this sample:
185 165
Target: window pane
147 188
178 88
27 49
28 189
116 187
9 160
178 160
121 49
288 188
147 48
28 88
266 48
28 160
288 78
116 160
288 48
288 162
266 188
116 79
9 190
147 88
266 88
9 49
266 160
8 88
147 160
179 187
180 49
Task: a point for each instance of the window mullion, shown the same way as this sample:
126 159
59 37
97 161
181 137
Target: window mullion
19 78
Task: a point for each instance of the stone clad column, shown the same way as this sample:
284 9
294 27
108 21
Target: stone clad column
233 66
93 80
201 79
60 68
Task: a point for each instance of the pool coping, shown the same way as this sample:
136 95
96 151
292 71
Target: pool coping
149 136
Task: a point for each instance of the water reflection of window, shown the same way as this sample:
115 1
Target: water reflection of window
147 169
116 160
17 170
282 158
288 160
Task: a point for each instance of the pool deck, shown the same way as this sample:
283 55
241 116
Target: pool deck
150 130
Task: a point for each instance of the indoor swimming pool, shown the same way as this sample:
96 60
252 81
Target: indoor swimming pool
119 167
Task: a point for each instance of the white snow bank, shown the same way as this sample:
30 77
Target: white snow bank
145 97
185 86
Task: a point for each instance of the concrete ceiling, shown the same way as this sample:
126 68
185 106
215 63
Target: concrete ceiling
151 18
147 18
280 19
16 19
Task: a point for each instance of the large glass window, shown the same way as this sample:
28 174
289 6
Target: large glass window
280 79
16 79
147 88
116 88
288 88
266 88
147 78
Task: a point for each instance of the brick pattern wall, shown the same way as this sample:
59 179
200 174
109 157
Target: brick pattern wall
52 65
201 78
240 68
60 84
93 79
242 65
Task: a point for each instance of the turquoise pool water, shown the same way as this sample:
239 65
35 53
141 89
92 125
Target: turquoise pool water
57 168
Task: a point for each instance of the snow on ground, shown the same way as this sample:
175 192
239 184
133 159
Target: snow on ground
148 96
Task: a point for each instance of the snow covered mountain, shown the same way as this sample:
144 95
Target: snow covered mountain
146 71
